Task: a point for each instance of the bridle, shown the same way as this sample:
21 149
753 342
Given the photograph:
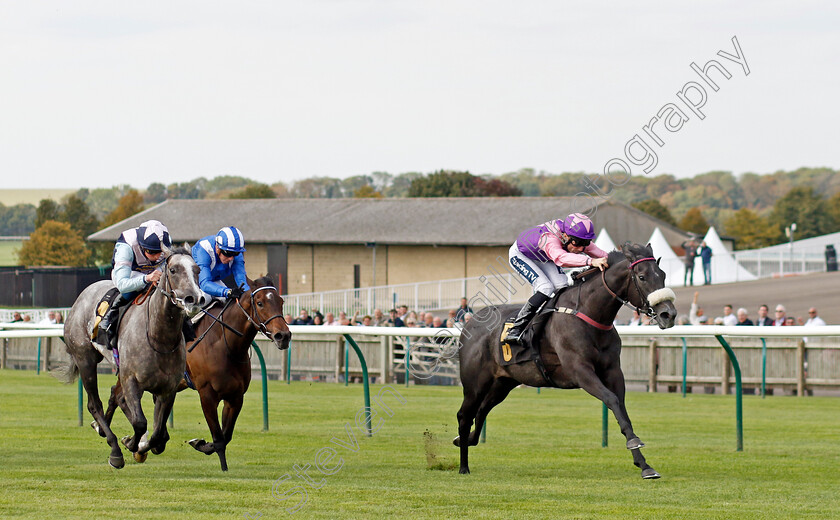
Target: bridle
261 326
648 308
173 298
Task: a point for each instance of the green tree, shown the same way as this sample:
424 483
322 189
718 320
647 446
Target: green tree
129 204
834 210
47 210
808 210
78 215
227 182
17 220
254 191
401 184
694 222
155 193
749 229
54 243
653 208
460 184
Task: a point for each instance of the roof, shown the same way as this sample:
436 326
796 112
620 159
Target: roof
478 221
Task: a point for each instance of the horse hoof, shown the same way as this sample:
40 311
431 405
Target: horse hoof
95 426
125 440
457 441
464 471
635 444
140 458
196 443
158 450
116 462
650 473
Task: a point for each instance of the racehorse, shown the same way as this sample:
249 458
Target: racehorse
218 364
579 349
151 348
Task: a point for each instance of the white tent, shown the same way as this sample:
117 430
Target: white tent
604 241
673 265
724 267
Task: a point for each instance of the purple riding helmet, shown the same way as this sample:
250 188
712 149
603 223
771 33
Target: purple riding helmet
579 226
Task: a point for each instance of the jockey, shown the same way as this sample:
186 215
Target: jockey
218 257
540 254
137 260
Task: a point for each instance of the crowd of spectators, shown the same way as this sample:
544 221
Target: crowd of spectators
739 317
399 316
51 318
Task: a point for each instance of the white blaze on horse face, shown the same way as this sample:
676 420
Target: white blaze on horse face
661 295
186 262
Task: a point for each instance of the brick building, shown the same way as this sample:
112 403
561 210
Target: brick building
313 245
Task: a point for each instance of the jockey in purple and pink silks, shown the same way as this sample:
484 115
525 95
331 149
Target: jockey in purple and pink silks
541 253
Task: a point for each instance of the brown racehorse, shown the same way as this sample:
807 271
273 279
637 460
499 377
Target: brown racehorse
218 362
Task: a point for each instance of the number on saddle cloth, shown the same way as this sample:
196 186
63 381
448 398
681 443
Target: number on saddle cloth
529 349
102 309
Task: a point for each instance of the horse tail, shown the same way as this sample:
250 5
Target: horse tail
66 372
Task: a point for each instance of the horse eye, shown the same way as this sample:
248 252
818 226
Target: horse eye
171 270
259 304
641 278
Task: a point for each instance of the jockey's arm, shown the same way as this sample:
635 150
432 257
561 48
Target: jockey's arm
239 275
205 275
126 280
550 244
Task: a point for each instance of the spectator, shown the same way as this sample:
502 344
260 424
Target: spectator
813 319
467 317
316 312
330 321
743 319
436 322
16 317
288 319
729 319
452 314
342 316
379 319
421 319
367 321
428 320
345 321
690 247
636 320
317 320
463 309
59 318
27 318
394 319
402 310
789 321
450 323
705 253
411 316
780 316
49 320
411 322
696 315
763 320
303 319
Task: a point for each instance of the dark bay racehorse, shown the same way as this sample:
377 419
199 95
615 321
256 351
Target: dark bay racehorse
575 352
219 365
151 347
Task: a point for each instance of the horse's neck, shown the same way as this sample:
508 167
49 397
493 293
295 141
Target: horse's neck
165 318
238 319
597 303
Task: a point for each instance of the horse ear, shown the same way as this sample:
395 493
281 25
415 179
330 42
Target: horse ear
626 250
658 259
187 246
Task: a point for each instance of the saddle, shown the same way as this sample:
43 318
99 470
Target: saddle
100 311
529 349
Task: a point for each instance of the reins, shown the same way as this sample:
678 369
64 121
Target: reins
171 298
648 310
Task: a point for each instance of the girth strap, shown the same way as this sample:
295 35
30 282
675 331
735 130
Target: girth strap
584 317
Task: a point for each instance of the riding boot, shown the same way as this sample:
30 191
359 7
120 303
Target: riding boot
107 327
528 311
188 330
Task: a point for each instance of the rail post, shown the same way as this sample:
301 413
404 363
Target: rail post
80 401
652 374
407 353
739 416
684 365
364 380
38 359
800 368
264 384
289 364
346 364
763 367
604 426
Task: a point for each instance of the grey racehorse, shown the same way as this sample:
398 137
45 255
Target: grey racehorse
151 351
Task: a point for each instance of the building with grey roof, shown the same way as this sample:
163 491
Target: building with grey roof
324 244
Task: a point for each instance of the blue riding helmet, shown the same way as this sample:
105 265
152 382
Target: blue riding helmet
153 236
230 239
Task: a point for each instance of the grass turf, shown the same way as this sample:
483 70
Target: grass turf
542 458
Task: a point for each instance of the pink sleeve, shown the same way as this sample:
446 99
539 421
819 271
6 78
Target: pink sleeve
553 248
595 251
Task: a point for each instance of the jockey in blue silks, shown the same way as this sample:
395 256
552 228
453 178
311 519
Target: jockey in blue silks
540 254
218 257
137 261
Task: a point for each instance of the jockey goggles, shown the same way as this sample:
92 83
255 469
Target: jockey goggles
579 242
229 254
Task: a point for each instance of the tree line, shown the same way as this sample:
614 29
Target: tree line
751 208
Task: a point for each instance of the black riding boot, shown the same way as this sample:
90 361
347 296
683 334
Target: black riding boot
188 330
107 334
528 311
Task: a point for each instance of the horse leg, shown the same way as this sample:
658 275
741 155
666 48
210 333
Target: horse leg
615 382
134 413
210 405
473 397
589 381
230 412
497 393
116 395
160 435
87 372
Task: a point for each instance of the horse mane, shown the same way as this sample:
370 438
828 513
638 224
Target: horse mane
263 281
614 258
179 250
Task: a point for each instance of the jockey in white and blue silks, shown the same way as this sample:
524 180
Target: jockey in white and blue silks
218 257
137 261
540 254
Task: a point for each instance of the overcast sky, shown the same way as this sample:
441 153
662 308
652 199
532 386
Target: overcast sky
97 94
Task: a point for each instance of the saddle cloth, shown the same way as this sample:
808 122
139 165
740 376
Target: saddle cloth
529 350
102 308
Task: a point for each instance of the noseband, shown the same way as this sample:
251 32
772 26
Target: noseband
173 298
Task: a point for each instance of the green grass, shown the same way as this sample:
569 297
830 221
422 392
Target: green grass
543 458
7 252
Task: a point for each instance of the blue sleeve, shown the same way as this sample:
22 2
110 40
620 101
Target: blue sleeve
239 275
205 276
